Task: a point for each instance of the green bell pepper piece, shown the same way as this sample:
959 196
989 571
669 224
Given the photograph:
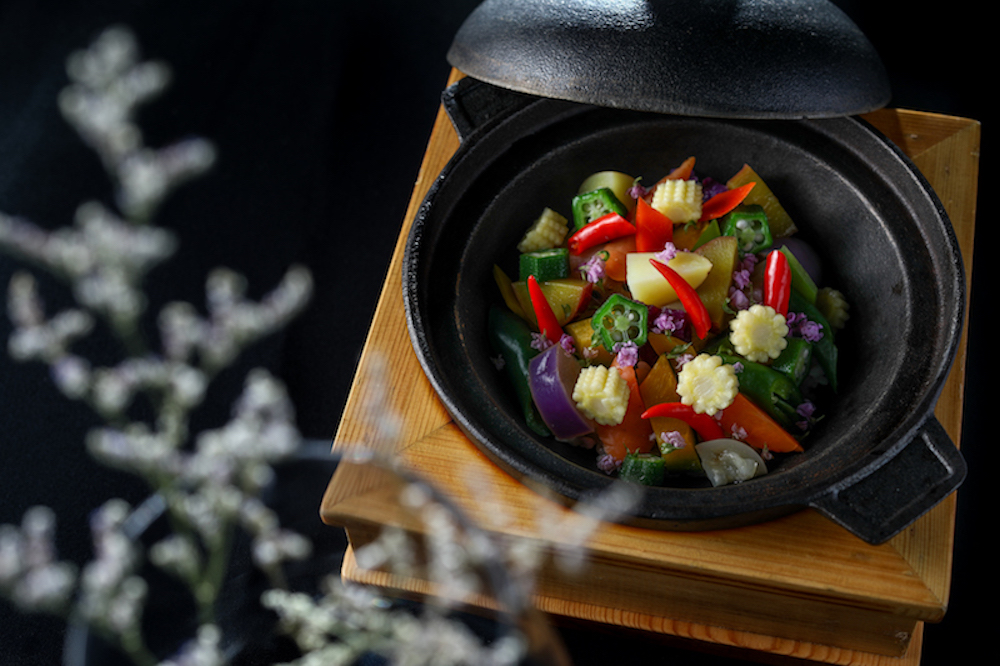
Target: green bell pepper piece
748 223
589 206
510 337
621 320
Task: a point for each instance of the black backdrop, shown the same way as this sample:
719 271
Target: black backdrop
321 111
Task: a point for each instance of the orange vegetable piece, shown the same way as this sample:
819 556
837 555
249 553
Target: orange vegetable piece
653 229
686 235
614 266
659 386
724 202
582 333
634 432
761 430
682 172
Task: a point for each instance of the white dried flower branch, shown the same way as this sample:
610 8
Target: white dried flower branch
210 483
108 83
112 593
349 621
30 575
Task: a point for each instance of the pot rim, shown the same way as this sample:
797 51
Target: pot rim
707 507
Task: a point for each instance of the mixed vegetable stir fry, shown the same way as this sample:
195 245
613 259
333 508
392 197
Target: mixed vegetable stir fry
678 330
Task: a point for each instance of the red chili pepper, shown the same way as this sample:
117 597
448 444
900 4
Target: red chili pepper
653 229
693 305
777 282
724 202
703 424
547 322
601 230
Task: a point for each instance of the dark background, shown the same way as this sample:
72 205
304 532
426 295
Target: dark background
321 111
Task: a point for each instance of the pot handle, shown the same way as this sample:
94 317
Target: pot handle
882 499
472 104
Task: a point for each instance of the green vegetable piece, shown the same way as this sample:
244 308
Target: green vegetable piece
795 360
545 265
510 337
825 349
680 461
748 223
621 320
589 206
802 282
710 232
647 469
772 391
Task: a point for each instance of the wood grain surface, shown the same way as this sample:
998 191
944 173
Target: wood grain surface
799 587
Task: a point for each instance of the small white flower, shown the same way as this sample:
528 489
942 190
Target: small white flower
204 650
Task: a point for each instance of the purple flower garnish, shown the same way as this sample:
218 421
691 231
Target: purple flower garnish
567 343
738 300
627 354
607 463
800 326
593 269
710 187
672 439
637 191
668 252
807 411
540 341
669 321
741 278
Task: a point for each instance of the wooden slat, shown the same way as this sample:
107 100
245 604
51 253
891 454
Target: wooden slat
856 603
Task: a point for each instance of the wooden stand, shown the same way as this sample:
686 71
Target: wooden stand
798 587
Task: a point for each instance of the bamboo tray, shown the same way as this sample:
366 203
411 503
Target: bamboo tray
799 587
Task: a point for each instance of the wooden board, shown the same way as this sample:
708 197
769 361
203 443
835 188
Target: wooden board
798 587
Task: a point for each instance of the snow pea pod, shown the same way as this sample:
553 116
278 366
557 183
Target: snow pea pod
795 359
824 349
774 392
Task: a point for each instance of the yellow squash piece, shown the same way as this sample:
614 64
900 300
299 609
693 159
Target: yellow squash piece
723 252
660 386
583 333
567 297
780 222
507 291
663 343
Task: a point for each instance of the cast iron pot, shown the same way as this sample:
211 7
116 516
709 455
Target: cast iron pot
878 459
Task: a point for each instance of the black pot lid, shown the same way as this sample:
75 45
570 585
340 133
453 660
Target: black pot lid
715 58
